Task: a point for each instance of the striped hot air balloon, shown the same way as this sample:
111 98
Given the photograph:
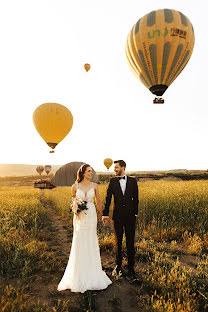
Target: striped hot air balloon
158 48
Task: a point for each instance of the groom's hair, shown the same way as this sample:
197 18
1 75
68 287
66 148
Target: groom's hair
121 163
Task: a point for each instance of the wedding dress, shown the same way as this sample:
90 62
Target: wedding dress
84 270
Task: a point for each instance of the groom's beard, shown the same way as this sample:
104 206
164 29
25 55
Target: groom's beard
118 173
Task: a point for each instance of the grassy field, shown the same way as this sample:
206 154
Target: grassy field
171 251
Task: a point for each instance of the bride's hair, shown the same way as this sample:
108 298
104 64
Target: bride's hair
80 172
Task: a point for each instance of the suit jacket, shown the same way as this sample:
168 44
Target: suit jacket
125 206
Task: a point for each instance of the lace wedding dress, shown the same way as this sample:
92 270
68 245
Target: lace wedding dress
84 271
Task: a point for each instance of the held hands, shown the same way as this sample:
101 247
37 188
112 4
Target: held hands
106 220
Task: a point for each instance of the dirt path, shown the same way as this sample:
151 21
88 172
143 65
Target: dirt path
189 262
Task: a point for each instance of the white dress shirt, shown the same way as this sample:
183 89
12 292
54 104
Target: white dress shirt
123 184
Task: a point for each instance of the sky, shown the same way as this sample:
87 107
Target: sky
44 46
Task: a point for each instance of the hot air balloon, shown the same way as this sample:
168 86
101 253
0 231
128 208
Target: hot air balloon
87 67
40 169
47 169
108 162
53 122
158 48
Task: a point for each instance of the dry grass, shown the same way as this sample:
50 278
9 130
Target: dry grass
172 220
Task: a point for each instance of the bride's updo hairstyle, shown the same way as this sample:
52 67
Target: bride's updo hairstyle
80 173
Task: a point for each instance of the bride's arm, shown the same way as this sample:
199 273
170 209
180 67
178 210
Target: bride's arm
74 190
98 200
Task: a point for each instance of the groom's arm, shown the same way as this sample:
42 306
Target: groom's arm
108 199
136 198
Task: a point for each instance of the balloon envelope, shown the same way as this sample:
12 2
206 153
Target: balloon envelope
158 48
87 67
108 162
39 169
53 122
47 169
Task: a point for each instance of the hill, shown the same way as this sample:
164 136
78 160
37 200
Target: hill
7 170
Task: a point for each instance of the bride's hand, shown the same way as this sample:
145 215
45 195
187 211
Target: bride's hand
74 207
77 213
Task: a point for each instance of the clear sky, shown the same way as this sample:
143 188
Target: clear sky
44 46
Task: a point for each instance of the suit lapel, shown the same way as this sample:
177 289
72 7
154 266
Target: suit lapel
119 186
127 185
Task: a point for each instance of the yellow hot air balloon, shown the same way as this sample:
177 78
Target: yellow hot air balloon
53 122
158 48
87 67
39 169
47 169
108 162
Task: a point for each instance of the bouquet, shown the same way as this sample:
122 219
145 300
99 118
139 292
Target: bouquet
78 205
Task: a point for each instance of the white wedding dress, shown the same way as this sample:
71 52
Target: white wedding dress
84 270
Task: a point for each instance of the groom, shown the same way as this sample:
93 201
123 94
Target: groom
125 192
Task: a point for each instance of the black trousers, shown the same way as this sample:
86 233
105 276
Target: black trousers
127 225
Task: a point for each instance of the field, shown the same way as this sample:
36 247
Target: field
171 251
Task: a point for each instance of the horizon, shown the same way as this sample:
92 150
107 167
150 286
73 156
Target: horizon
110 171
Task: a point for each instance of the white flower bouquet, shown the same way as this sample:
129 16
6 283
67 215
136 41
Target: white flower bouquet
78 205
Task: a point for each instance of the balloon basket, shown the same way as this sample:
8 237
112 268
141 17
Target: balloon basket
158 100
43 184
51 152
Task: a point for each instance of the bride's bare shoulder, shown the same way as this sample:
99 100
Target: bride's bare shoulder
95 185
74 186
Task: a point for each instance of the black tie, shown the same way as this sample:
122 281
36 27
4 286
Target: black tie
121 178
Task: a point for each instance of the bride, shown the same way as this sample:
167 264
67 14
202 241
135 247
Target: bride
84 271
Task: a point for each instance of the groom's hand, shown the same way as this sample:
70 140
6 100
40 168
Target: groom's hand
106 220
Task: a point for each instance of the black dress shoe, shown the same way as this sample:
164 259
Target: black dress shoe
133 279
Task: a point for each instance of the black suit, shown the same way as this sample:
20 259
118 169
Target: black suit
125 209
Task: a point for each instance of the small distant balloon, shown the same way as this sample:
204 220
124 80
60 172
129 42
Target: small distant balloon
87 67
47 169
40 169
108 162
